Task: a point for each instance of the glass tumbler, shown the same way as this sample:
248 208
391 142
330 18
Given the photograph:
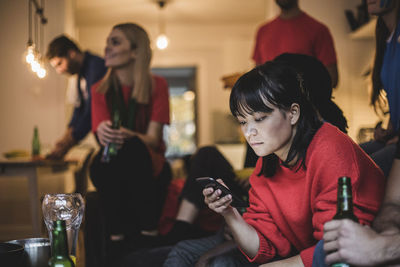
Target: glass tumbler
67 207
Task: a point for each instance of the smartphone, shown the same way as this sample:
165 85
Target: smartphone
206 182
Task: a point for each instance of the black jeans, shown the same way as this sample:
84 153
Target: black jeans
130 196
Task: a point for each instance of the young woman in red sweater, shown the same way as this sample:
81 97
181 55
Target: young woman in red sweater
294 185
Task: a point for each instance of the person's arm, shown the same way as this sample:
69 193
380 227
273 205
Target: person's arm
289 262
151 138
388 218
333 72
244 234
63 145
350 242
324 50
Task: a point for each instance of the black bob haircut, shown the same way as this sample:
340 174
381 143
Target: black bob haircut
60 47
279 85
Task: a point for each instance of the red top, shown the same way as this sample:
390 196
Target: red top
157 110
301 35
289 209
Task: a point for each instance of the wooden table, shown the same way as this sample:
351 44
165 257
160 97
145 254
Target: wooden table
26 167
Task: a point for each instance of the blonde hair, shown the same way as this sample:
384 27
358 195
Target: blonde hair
140 42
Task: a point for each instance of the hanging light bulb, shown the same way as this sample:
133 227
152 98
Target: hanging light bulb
162 41
41 73
35 66
30 54
34 46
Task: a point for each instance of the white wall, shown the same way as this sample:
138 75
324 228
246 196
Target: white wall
353 57
25 100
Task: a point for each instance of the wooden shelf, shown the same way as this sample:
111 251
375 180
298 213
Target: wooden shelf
366 31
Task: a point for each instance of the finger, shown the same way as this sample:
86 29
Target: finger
332 258
208 191
214 196
332 225
219 180
221 202
331 235
331 246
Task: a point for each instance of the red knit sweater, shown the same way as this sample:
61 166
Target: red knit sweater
289 209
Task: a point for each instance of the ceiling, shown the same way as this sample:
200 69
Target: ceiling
95 12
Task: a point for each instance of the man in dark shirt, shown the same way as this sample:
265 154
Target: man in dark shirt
66 58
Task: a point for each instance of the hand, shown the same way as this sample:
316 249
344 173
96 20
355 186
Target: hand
106 134
380 134
350 242
58 152
203 261
392 140
62 146
215 202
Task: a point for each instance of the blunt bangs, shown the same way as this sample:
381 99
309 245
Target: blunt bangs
257 91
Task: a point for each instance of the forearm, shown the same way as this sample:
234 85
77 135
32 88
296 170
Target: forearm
388 218
289 262
148 140
244 234
390 252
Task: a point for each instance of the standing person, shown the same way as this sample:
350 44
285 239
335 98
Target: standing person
133 184
66 58
386 76
294 31
294 185
347 241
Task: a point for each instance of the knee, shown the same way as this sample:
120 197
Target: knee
206 152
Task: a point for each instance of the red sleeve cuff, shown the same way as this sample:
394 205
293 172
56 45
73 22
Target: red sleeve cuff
265 252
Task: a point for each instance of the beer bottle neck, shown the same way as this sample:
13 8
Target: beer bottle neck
345 199
60 243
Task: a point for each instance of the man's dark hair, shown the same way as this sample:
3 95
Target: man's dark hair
60 47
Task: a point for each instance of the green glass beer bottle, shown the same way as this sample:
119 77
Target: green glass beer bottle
110 149
35 142
344 208
59 247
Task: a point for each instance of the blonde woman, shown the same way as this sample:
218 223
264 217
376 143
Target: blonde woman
130 192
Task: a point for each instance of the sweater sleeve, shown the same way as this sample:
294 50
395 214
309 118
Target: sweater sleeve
272 241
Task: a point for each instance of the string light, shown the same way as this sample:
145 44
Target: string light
32 54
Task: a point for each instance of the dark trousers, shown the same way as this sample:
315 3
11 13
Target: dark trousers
128 199
127 189
209 162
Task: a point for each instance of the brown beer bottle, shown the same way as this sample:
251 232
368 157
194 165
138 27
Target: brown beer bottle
344 208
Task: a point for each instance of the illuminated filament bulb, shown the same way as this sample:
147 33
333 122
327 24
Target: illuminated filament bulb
162 42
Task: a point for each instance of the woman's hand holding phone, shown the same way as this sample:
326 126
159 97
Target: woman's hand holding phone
216 202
